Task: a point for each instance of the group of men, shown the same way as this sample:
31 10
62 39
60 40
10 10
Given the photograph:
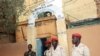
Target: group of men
54 49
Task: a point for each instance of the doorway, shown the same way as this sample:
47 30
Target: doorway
41 46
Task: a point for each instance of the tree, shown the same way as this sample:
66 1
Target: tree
10 10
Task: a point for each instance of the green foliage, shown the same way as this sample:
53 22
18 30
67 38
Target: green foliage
10 10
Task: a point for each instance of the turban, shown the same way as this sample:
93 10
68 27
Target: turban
48 42
77 35
54 38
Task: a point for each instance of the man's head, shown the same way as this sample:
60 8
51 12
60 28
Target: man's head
54 41
48 43
29 47
76 37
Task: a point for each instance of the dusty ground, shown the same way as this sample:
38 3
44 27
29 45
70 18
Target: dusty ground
13 49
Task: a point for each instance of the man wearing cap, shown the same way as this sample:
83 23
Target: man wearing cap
56 49
48 45
79 49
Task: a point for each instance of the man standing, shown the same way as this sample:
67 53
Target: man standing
30 52
48 45
79 49
56 49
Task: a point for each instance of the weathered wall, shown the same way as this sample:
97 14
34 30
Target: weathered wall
21 33
90 37
79 9
29 5
98 7
46 26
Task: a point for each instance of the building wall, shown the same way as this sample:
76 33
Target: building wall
98 7
79 9
29 5
21 33
46 27
74 10
90 37
5 39
42 29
